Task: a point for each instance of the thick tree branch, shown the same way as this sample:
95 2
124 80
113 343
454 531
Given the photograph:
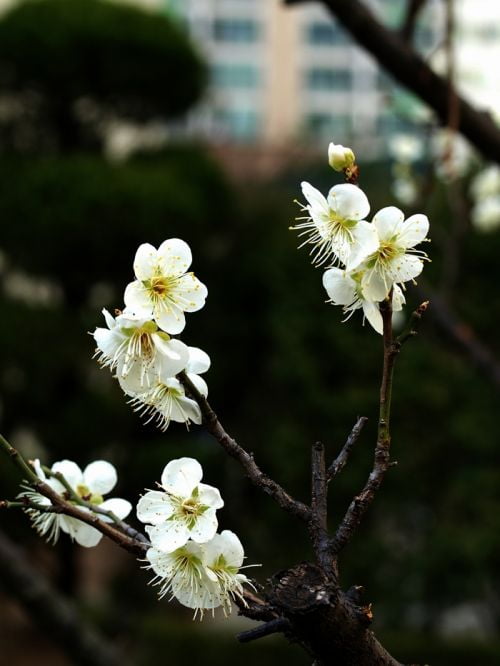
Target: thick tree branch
54 614
258 478
340 461
408 68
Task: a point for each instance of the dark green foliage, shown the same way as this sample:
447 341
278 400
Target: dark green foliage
117 59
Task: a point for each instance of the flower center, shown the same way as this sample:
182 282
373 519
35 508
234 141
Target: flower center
159 285
85 493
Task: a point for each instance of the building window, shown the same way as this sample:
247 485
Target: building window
326 78
327 125
238 124
235 76
323 33
236 30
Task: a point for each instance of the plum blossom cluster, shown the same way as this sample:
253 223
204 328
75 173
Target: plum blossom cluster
190 560
89 486
137 344
365 261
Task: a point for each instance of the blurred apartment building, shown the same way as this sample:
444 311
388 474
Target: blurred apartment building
291 73
281 75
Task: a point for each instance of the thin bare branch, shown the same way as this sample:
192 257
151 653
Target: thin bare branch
246 460
278 625
400 60
413 10
381 463
340 461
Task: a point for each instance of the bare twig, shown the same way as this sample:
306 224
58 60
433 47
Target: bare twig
279 625
406 66
340 461
318 486
258 478
381 463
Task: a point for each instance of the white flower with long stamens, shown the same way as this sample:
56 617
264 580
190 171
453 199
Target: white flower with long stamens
395 259
335 226
201 576
223 558
347 289
184 509
138 350
97 479
163 289
182 575
166 401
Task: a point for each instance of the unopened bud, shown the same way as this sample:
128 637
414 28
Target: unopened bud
340 157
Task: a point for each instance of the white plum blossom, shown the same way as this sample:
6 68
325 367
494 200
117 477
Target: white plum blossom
348 290
340 157
184 509
406 148
201 576
96 480
163 289
336 227
166 401
138 350
486 183
395 260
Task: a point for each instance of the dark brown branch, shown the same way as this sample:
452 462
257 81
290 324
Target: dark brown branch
318 486
258 478
412 12
340 461
398 58
52 612
278 625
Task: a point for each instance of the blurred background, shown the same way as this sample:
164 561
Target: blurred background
123 123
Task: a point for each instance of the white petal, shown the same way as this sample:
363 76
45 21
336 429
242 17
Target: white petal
173 356
71 472
388 222
154 507
110 320
146 259
404 268
161 563
210 496
190 293
398 299
414 230
137 298
231 548
315 199
185 410
199 361
87 536
38 469
349 201
205 527
372 313
108 341
339 286
366 242
174 257
168 536
181 476
120 507
199 383
206 594
373 287
171 320
100 477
